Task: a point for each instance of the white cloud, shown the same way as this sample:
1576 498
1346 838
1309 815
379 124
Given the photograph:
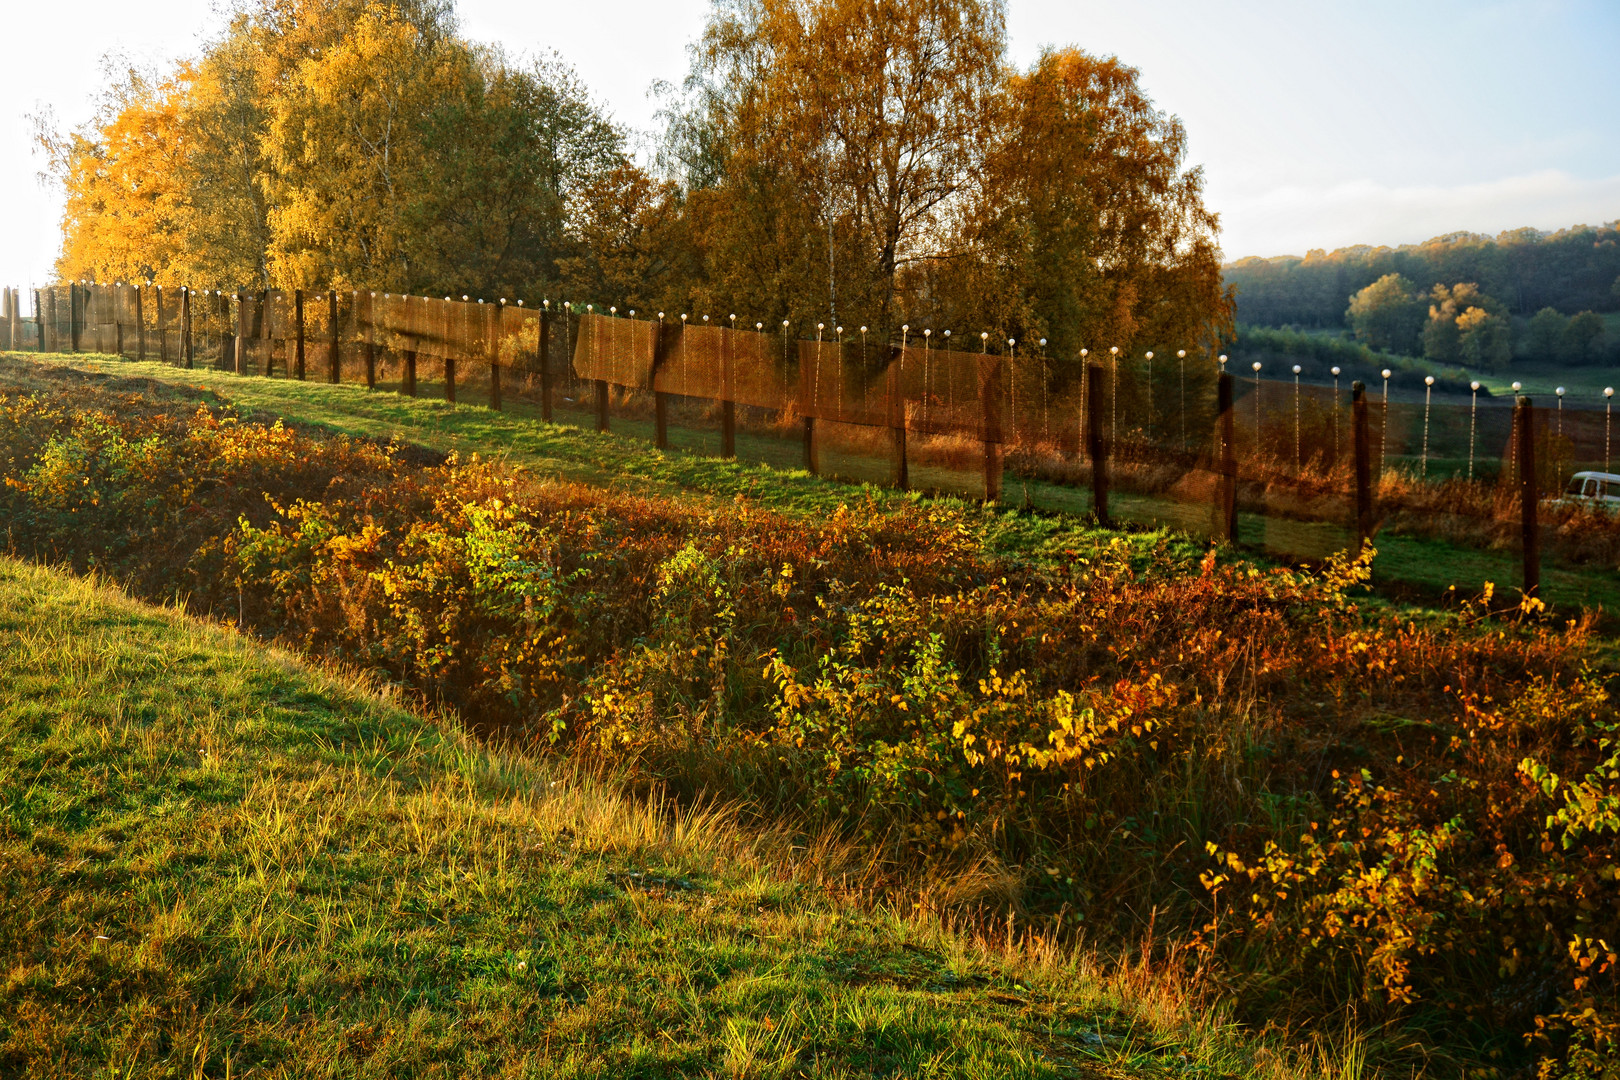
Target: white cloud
1290 219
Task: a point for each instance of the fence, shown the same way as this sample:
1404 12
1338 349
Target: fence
1298 469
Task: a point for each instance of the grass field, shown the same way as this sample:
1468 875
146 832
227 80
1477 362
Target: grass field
625 458
216 861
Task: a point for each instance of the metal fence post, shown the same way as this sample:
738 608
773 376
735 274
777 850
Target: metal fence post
660 398
545 361
990 369
1097 440
334 357
298 331
1361 448
222 308
162 327
1528 495
728 407
449 364
371 334
240 352
807 397
262 314
495 357
898 421
1226 481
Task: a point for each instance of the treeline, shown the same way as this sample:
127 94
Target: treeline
830 162
1464 325
1570 271
1461 300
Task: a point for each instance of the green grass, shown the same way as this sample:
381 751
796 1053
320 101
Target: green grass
1584 384
216 861
626 457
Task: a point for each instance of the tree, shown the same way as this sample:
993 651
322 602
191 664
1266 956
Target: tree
406 160
1583 339
834 137
835 161
123 218
1483 339
1544 335
191 192
631 240
845 161
1085 226
1442 341
352 162
1387 315
338 142
1443 335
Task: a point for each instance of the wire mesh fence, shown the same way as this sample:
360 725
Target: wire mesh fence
1300 470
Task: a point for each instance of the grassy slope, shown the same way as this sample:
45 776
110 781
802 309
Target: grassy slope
627 458
213 860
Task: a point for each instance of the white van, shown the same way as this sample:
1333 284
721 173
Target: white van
1594 491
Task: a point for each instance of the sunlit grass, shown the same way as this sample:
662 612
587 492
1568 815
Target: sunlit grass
215 859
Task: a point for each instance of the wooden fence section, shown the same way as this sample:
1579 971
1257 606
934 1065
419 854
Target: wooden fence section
1181 444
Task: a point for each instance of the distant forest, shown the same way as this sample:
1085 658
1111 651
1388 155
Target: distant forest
1522 296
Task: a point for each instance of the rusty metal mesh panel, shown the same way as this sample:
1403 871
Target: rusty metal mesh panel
757 374
1444 465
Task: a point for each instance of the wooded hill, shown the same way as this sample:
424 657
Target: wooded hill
1523 295
1572 270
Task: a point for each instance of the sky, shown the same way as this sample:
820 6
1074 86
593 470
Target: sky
1318 124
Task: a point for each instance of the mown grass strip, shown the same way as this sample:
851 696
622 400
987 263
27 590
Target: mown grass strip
213 859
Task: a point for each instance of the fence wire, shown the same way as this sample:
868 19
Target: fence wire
1024 429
